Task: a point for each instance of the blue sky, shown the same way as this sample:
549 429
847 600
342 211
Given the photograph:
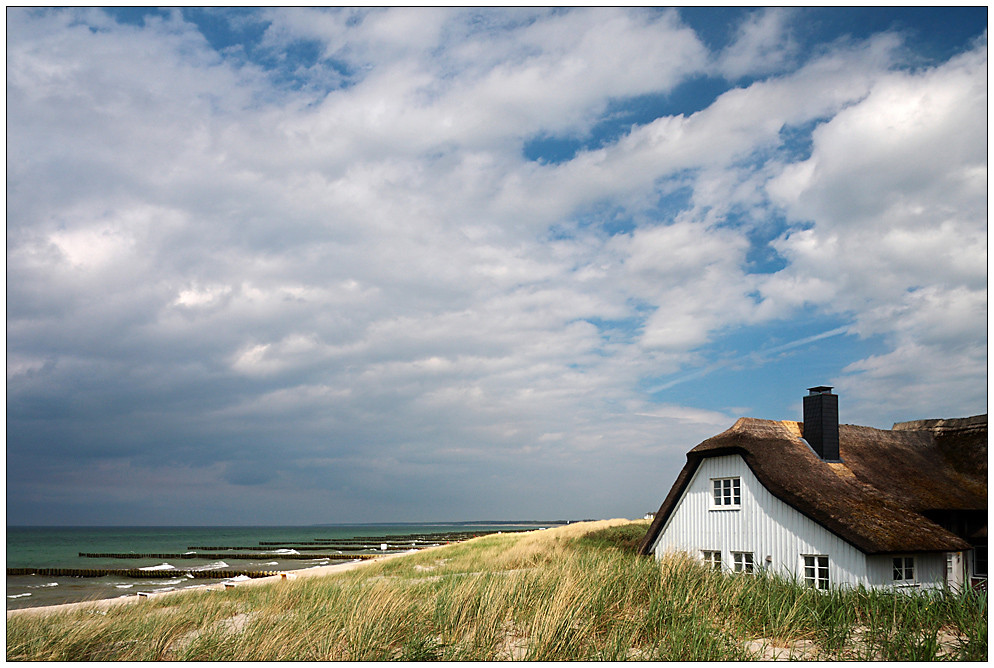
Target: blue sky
362 265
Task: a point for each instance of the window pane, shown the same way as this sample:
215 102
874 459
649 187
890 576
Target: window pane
816 571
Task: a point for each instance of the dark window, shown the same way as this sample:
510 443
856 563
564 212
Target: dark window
980 560
904 569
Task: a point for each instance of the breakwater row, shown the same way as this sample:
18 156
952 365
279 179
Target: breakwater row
139 573
221 555
345 547
397 541
434 538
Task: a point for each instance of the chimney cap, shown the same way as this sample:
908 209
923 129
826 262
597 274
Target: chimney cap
821 389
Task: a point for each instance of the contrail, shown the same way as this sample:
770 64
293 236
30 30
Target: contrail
759 356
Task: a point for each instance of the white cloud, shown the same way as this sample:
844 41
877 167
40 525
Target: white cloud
763 44
896 190
204 258
893 185
482 88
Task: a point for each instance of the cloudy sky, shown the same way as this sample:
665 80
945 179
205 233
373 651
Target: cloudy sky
297 266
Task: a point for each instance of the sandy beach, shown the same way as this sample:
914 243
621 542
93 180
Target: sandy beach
102 604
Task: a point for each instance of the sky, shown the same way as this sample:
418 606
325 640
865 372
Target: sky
301 266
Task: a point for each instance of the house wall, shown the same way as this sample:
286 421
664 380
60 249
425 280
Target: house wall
766 526
930 568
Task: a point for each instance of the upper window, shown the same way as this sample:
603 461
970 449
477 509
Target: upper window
726 492
816 571
742 562
713 559
904 570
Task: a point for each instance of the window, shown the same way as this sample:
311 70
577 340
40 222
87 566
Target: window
980 561
904 570
742 562
727 492
713 559
816 571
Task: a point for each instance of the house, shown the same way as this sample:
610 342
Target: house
834 505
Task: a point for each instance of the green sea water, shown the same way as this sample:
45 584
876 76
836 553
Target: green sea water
60 547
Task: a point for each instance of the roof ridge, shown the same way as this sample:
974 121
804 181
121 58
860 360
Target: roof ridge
972 423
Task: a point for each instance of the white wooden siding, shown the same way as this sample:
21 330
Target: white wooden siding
766 526
930 568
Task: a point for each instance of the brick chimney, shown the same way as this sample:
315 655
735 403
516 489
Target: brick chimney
821 422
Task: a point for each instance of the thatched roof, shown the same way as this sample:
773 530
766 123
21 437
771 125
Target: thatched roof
877 499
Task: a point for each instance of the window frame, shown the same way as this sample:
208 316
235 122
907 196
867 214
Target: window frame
712 559
743 562
900 566
726 497
820 574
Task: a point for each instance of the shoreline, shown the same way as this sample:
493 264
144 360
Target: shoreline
62 554
104 603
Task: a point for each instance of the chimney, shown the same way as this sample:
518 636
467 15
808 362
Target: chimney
821 422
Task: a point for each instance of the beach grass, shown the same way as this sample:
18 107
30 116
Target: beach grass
571 593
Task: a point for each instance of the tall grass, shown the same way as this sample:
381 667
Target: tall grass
574 593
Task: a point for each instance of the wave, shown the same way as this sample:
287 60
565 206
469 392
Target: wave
124 586
160 567
284 550
18 595
217 565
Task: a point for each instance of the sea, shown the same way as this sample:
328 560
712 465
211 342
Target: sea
259 548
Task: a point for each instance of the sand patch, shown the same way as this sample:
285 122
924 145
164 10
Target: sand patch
769 649
229 626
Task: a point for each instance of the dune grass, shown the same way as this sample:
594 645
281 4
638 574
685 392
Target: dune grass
571 593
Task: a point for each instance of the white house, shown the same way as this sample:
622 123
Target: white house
834 505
